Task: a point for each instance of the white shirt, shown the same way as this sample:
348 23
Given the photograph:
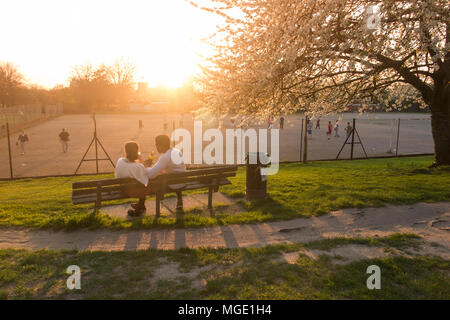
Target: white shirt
169 162
129 169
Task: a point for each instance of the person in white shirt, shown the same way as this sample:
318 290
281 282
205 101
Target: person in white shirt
131 167
170 161
336 129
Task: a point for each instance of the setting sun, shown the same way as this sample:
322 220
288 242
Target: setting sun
161 38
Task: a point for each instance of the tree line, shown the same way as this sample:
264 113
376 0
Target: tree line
91 88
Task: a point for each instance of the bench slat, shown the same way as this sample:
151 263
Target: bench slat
105 197
78 192
104 182
116 195
173 176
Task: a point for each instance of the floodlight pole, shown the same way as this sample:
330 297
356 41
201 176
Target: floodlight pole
353 142
9 152
301 141
305 141
95 139
353 139
96 142
398 136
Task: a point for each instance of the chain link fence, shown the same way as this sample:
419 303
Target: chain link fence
373 137
21 117
376 135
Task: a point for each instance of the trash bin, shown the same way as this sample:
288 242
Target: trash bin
256 184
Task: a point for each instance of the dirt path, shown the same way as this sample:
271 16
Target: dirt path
431 221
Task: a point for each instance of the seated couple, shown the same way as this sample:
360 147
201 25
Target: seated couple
133 167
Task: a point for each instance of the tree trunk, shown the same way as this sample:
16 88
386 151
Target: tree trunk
440 127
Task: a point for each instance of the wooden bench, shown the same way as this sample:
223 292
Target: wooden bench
97 191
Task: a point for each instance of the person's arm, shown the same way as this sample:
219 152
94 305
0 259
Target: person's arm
140 174
154 171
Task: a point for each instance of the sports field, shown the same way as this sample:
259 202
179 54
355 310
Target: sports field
44 156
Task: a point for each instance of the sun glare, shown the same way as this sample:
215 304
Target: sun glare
161 38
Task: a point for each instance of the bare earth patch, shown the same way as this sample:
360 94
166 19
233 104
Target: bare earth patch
354 252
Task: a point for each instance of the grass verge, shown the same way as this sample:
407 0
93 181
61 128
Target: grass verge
253 273
298 190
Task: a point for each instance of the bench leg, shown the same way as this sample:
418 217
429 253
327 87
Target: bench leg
98 202
210 194
158 205
96 208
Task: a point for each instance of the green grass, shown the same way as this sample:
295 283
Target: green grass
298 190
253 273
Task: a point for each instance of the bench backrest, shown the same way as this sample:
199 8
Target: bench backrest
192 178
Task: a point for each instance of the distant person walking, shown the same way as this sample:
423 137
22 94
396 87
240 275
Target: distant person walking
348 129
165 123
336 129
269 122
281 122
330 128
23 138
309 127
318 124
64 139
233 122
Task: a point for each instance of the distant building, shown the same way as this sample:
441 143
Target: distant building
160 106
143 87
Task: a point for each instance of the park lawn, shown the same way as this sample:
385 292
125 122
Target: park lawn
252 273
298 190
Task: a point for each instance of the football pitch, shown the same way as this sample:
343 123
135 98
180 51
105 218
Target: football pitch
44 156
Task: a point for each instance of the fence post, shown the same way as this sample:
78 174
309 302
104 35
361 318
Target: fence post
9 152
96 145
305 141
353 139
398 136
301 141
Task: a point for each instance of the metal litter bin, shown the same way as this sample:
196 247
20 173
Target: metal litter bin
256 183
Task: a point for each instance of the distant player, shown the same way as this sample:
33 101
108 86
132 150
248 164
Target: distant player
233 123
64 139
165 123
330 128
269 122
309 127
348 129
336 129
23 138
281 122
318 124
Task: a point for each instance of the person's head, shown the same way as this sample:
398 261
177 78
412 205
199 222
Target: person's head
162 143
63 129
132 150
329 122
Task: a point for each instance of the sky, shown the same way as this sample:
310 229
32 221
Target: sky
162 38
